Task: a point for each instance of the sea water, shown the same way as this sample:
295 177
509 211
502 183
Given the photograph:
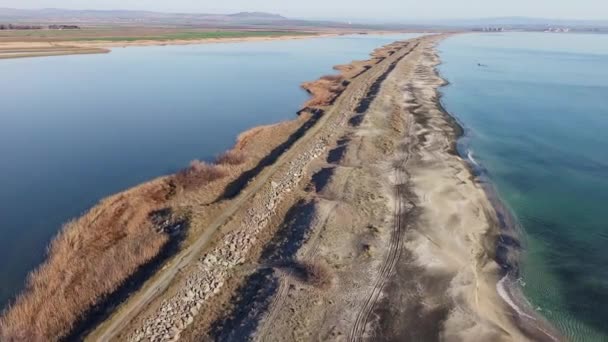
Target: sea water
535 111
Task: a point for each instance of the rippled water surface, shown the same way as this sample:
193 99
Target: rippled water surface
535 107
74 129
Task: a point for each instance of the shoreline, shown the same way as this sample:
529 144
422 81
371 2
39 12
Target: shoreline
509 248
365 102
271 140
406 258
12 50
63 48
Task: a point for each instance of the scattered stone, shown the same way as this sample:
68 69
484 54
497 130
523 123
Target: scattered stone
213 269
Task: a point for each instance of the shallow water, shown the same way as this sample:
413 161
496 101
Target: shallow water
536 117
74 129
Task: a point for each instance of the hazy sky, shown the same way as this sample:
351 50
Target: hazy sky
350 9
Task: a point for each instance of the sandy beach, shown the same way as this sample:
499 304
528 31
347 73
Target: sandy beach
407 232
356 221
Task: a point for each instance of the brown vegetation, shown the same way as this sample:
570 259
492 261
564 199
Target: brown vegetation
232 157
325 90
89 259
94 254
318 274
198 174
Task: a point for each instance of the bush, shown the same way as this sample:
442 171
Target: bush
318 274
231 157
199 173
89 259
332 78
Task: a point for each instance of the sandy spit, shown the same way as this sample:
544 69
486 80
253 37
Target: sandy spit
408 232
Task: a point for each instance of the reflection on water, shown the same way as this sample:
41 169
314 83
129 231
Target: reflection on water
74 129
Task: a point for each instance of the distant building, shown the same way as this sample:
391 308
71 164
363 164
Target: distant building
558 29
64 27
37 27
489 29
19 27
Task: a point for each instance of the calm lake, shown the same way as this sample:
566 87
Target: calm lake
536 116
74 129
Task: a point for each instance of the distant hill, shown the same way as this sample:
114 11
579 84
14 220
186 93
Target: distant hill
262 20
50 15
248 20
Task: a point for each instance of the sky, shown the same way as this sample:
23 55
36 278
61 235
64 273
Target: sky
350 9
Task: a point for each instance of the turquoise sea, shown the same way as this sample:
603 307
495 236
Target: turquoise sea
74 129
535 111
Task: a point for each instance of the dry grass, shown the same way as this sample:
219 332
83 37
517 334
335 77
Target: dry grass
89 259
93 255
318 274
232 157
325 90
332 78
199 174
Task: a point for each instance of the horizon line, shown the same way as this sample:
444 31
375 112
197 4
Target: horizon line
307 17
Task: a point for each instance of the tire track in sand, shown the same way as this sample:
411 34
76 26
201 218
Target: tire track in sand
396 241
285 281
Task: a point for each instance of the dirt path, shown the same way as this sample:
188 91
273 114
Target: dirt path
374 193
286 281
395 246
410 239
164 279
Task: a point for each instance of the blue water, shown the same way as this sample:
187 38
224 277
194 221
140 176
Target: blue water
74 129
536 117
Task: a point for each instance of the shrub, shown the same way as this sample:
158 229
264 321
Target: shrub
318 274
332 78
231 157
199 173
89 259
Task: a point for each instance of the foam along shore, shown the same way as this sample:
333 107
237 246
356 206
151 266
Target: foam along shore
462 227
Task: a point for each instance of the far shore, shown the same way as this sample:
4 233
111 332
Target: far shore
23 49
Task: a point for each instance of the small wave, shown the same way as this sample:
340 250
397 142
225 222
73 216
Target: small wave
471 158
504 294
501 288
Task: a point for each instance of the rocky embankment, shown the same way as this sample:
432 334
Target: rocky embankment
213 269
216 267
224 230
